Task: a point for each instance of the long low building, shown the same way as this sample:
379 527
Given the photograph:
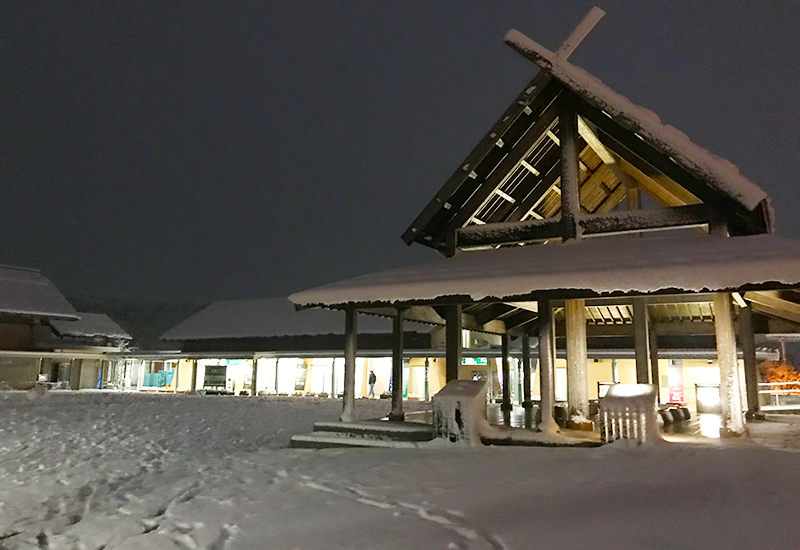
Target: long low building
43 339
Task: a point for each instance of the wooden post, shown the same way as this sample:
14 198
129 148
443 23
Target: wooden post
254 379
729 386
506 405
453 342
397 368
546 368
277 364
526 371
350 347
641 342
652 340
577 376
570 186
748 343
194 375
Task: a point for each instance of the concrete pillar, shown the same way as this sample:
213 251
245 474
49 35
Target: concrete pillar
350 349
506 405
748 343
526 371
577 375
397 368
453 342
641 341
254 380
729 386
546 368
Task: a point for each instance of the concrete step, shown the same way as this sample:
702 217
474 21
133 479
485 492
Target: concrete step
378 430
325 440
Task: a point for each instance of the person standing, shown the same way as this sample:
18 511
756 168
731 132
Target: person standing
371 380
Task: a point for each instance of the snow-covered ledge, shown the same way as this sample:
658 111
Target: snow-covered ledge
459 410
628 411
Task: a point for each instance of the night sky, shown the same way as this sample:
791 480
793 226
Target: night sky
213 150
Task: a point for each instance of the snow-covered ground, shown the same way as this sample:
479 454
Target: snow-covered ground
122 471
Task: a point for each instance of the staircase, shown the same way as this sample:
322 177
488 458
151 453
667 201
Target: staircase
365 433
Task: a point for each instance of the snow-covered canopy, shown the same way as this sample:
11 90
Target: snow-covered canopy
26 291
91 325
594 267
269 317
715 171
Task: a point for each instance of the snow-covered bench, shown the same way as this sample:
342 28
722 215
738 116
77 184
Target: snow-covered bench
628 411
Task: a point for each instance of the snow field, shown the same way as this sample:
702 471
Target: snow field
131 471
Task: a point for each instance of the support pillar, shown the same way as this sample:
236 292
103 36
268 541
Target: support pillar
427 386
729 386
396 413
641 341
350 347
526 371
254 379
546 366
652 339
453 342
277 364
333 378
748 343
506 405
577 375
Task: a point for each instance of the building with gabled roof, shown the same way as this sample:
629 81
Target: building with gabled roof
43 338
536 227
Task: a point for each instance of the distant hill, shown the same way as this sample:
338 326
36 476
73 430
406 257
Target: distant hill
145 320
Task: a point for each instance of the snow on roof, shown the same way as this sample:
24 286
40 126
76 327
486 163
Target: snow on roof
26 291
91 325
719 173
269 317
597 266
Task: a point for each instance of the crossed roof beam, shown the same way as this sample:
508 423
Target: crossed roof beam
513 176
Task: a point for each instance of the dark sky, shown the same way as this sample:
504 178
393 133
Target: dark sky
209 150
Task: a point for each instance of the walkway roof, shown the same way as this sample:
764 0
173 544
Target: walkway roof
592 267
91 325
269 317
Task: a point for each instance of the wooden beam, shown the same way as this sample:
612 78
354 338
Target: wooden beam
519 151
677 217
590 137
492 312
519 108
511 232
570 178
592 224
748 222
581 31
770 303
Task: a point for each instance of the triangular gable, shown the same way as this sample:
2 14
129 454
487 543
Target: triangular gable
513 174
